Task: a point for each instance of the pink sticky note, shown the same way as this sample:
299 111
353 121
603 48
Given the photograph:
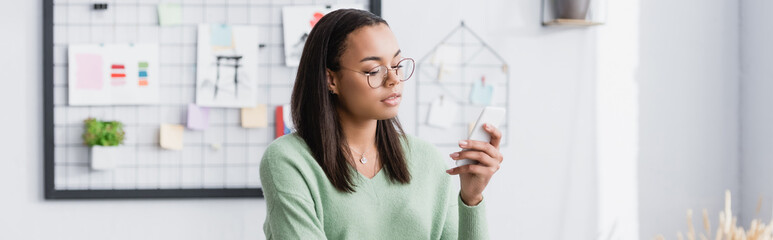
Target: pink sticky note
198 117
88 74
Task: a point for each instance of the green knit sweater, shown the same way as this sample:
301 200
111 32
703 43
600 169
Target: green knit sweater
302 204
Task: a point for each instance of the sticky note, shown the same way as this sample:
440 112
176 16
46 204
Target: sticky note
198 117
88 73
169 14
481 93
171 136
254 117
442 112
220 35
447 58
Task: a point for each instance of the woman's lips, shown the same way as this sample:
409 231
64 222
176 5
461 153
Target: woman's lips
393 99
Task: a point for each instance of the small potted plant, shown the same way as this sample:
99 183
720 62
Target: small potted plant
103 137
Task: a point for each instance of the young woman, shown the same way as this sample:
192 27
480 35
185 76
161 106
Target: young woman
349 171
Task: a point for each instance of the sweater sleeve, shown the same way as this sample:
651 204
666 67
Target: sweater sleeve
472 220
291 212
465 222
462 222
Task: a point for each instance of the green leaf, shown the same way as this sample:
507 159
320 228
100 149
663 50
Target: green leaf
108 133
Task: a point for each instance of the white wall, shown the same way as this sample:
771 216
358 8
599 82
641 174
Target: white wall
545 189
688 106
756 112
617 121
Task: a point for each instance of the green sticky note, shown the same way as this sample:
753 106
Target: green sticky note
169 14
143 65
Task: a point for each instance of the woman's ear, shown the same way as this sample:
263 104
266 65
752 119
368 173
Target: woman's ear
332 81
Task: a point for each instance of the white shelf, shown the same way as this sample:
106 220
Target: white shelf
571 22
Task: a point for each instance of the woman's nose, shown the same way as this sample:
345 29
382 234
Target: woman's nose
391 79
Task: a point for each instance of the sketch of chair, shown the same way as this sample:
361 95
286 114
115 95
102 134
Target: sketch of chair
227 64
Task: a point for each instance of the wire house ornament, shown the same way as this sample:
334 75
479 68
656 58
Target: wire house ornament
448 73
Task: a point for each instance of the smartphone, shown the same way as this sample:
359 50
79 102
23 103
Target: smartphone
490 115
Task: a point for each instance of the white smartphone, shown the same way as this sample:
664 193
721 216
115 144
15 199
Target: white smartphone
490 115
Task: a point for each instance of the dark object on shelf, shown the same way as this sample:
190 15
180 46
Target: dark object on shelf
574 13
572 9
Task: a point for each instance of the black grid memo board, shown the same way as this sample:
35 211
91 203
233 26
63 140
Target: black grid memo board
477 59
145 170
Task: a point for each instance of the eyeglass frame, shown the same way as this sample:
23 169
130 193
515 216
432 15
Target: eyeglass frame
386 76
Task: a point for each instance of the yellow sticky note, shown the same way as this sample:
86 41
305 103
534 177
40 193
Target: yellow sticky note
171 136
254 117
169 14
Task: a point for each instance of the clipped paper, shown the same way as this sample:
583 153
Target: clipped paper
481 93
442 112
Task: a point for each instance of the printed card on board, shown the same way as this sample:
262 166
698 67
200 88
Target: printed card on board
297 22
227 66
117 74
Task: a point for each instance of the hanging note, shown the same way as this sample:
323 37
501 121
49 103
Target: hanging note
220 35
198 117
442 112
447 54
443 71
254 117
481 93
169 14
446 58
171 136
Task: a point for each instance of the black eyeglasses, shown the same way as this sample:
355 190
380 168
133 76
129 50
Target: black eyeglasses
378 75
